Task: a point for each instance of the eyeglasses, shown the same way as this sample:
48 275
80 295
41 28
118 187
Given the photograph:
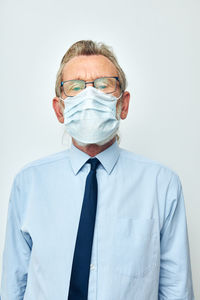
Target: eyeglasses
108 85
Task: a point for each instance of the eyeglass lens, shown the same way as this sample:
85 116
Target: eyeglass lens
104 84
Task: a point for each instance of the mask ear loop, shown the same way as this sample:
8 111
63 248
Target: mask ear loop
62 104
63 101
60 98
120 95
120 104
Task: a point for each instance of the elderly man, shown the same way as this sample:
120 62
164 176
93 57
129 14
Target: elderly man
95 221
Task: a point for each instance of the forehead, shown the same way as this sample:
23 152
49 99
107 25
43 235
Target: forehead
88 67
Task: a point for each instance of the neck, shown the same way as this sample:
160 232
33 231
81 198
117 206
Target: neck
93 149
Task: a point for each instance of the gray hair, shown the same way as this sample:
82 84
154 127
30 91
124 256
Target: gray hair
88 47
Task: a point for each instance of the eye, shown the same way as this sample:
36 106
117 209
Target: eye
101 83
73 87
102 86
76 88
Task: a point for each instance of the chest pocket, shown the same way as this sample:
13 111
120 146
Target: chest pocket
135 244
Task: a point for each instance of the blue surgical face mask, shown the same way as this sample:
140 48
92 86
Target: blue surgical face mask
90 116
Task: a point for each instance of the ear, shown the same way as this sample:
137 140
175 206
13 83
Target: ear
125 105
58 108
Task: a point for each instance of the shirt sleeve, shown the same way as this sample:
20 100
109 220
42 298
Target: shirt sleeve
175 281
17 249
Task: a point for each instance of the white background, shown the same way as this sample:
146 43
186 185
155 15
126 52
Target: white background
157 44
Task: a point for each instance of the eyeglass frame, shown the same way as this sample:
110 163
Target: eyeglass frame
87 82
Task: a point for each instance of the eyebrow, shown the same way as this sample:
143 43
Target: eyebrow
81 78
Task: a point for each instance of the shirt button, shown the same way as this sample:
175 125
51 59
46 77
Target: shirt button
91 266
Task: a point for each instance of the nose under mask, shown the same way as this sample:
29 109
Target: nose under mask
90 116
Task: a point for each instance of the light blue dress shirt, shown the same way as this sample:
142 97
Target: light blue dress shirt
140 249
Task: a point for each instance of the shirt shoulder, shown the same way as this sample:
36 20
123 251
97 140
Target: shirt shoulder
134 160
50 160
153 174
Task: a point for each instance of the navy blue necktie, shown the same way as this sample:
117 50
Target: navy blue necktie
78 289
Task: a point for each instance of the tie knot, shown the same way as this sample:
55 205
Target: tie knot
94 163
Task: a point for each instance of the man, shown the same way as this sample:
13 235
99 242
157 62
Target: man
95 221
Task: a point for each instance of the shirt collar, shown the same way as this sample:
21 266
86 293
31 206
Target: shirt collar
108 157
